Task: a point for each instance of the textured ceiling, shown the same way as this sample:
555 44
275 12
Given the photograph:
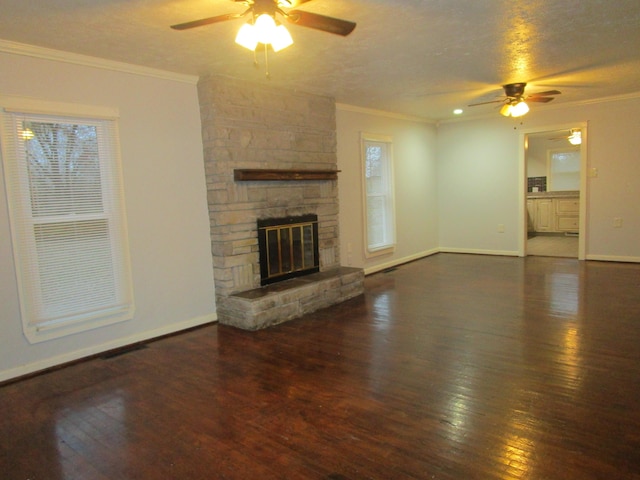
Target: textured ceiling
418 57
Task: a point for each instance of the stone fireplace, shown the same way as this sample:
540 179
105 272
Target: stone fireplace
268 154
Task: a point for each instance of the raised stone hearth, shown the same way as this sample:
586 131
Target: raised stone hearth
270 153
262 307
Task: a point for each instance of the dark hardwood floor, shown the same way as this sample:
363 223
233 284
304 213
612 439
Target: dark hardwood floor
451 367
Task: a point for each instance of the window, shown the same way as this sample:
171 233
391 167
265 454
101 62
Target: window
564 169
67 220
378 188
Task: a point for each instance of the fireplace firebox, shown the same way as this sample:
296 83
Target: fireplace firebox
288 247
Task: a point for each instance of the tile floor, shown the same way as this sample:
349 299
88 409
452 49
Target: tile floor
553 246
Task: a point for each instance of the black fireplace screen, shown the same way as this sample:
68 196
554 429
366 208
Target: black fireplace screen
288 247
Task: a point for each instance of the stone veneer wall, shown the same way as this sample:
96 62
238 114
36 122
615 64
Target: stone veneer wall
250 125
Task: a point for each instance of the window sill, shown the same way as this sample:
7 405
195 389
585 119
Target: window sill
51 331
380 251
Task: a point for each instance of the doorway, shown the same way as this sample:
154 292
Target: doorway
553 193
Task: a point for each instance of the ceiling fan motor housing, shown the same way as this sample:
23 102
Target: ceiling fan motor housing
265 6
514 89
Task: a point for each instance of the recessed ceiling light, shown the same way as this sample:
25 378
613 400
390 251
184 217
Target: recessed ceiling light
457 111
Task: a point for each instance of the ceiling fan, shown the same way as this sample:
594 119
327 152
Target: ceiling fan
574 137
264 28
515 101
256 8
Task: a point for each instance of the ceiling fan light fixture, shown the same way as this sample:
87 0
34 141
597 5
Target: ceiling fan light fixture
506 110
266 31
576 137
246 37
265 27
281 38
519 109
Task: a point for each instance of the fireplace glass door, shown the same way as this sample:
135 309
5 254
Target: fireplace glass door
288 247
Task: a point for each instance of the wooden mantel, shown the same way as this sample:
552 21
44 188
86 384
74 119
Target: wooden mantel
265 174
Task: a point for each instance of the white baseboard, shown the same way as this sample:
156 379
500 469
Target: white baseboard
508 253
104 347
613 258
426 253
400 261
513 253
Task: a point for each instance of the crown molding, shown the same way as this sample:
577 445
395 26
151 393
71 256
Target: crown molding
382 113
613 98
26 50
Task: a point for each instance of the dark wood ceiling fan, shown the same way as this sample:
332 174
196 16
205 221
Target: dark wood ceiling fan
273 7
514 101
514 92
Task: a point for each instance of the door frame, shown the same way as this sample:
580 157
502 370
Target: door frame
522 190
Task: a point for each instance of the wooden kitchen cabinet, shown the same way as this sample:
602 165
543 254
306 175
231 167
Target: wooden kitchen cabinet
544 215
553 214
567 214
531 215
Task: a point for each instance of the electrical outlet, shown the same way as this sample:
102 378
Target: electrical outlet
617 222
593 172
501 228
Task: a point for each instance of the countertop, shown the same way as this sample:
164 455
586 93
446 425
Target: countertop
556 194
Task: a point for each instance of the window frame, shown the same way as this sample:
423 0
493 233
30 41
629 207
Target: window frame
36 327
389 244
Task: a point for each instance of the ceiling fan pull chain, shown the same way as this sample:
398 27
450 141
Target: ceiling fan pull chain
266 61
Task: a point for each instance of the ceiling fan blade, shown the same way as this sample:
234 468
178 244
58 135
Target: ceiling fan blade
548 92
206 21
320 22
485 103
535 98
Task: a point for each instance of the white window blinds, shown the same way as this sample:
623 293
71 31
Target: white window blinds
67 220
379 194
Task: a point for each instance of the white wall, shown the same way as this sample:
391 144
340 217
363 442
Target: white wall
165 191
478 186
536 157
414 158
479 179
536 163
